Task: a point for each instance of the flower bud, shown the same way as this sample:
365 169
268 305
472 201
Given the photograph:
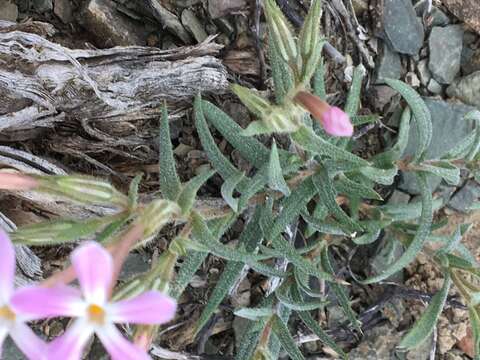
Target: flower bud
16 181
310 33
280 32
83 189
334 121
57 231
284 119
255 103
156 215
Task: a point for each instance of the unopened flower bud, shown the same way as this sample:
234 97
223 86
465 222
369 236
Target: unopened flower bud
334 120
280 32
83 189
17 181
156 215
255 103
284 119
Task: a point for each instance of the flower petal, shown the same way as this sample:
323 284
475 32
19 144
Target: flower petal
29 343
94 268
35 302
151 307
70 345
337 123
7 267
117 346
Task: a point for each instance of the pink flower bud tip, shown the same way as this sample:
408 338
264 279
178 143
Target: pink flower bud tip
337 123
16 181
334 120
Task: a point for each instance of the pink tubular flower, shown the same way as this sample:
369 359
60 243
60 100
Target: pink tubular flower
334 120
15 181
95 314
12 320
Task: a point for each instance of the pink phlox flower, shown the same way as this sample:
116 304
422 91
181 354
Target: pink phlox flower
334 120
337 123
12 319
93 311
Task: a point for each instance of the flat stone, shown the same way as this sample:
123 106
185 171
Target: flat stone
434 87
193 25
467 89
220 8
64 10
108 26
381 95
449 128
399 197
402 27
389 65
8 10
470 61
134 264
42 6
435 17
445 45
423 72
464 198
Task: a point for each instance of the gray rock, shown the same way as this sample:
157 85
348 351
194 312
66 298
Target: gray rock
470 60
402 27
435 17
108 26
438 17
423 72
465 197
8 10
467 89
193 25
445 52
449 128
134 264
42 6
389 65
220 8
389 250
377 343
64 10
11 351
434 87
399 197
381 95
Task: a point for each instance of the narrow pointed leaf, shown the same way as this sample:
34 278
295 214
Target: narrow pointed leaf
254 313
340 293
287 341
169 181
327 195
308 140
380 176
224 167
188 194
450 173
313 325
275 175
424 326
421 235
420 113
250 239
353 98
349 187
228 188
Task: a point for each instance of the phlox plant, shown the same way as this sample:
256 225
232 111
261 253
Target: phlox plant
315 188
